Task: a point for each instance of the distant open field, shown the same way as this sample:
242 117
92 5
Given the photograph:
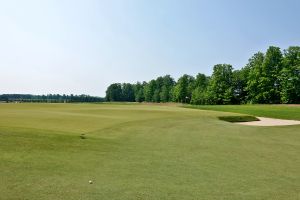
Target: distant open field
137 151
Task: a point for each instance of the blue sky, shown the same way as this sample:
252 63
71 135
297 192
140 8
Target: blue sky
78 47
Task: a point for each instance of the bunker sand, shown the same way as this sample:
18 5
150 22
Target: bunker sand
264 121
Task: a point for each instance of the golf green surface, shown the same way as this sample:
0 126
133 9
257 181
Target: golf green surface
143 152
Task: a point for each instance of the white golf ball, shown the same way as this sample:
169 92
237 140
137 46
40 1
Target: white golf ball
90 182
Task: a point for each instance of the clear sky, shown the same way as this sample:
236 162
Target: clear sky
80 47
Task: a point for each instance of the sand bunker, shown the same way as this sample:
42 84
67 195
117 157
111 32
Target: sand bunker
270 122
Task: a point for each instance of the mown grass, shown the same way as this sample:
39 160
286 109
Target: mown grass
142 152
273 111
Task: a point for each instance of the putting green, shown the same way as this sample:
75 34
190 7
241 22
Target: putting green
142 152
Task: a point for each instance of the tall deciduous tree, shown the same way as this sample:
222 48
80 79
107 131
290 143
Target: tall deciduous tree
149 90
199 94
220 86
290 76
139 92
165 92
183 89
114 92
269 80
253 88
240 78
128 92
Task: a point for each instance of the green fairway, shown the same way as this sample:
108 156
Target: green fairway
145 152
273 111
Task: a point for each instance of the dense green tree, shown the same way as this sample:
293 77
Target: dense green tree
191 88
164 94
240 78
263 81
220 86
139 92
159 82
128 92
183 89
269 80
201 81
50 98
290 76
199 94
165 91
253 83
114 92
156 97
149 90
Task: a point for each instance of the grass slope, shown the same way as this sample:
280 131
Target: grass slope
273 111
142 152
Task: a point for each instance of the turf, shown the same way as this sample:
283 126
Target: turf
273 111
142 152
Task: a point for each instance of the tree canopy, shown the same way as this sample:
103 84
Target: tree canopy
50 98
271 77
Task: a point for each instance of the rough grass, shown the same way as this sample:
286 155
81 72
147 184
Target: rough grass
272 111
142 152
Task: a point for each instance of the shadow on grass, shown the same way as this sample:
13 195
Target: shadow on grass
233 119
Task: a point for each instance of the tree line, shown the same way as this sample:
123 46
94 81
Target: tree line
50 98
268 78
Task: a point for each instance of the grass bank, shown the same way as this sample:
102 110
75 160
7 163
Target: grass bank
272 111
